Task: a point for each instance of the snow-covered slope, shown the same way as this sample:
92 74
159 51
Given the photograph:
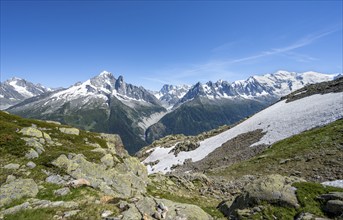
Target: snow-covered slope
279 121
15 90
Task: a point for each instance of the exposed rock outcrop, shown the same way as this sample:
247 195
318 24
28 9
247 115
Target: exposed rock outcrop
17 189
124 180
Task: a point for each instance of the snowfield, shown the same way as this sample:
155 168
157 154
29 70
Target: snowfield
335 183
278 121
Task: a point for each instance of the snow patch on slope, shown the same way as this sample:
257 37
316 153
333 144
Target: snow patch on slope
21 90
279 121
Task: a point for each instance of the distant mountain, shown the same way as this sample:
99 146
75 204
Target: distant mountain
102 103
256 87
110 105
169 95
16 90
207 106
312 106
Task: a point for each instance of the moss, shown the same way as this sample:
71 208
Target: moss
307 194
274 212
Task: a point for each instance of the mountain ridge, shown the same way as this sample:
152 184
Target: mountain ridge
105 103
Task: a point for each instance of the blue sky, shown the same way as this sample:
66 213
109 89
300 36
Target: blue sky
150 43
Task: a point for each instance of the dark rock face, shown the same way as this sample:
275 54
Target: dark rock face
320 88
333 203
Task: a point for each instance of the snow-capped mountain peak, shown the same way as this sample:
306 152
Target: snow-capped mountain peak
290 116
272 85
171 94
15 90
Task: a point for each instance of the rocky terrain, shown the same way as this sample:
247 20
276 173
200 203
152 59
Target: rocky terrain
50 171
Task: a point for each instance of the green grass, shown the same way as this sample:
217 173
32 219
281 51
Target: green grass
30 214
307 194
75 193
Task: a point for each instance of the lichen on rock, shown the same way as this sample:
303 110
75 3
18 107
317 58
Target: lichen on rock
17 189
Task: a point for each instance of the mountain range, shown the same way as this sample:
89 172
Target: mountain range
110 105
313 106
15 90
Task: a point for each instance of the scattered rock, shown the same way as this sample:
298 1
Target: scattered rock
31 154
37 204
148 207
106 213
33 142
73 131
16 209
12 166
55 179
283 161
17 189
62 192
31 165
70 213
32 132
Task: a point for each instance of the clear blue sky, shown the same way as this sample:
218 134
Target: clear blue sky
58 43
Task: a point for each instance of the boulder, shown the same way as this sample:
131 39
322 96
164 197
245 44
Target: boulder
332 196
17 189
55 179
124 180
62 192
31 165
71 213
31 154
12 166
33 142
73 131
273 189
106 213
32 132
334 207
